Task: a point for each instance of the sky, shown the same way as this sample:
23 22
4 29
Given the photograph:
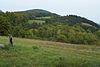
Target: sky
89 9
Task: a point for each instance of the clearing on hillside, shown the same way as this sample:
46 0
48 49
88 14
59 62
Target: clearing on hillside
37 53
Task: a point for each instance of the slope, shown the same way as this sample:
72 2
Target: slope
37 53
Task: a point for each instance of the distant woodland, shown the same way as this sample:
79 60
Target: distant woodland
44 25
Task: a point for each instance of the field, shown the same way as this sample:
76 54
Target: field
36 21
37 53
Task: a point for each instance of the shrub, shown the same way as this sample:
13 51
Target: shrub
35 47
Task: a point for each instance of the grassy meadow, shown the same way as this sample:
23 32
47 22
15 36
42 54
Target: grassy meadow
36 21
37 53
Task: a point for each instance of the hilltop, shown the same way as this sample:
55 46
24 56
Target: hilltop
38 12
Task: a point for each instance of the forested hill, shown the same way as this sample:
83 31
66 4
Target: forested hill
70 19
45 25
38 13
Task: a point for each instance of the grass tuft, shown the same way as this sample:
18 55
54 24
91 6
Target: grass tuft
35 47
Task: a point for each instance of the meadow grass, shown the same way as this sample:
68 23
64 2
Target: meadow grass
37 53
36 21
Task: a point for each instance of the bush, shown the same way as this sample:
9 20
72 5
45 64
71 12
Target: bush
35 47
62 38
7 47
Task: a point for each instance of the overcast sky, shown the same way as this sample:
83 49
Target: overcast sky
85 8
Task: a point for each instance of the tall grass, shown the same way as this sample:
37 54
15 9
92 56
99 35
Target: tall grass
36 53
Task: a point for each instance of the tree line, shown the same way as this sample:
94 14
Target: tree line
67 29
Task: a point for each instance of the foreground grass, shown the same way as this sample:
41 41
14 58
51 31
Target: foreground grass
36 53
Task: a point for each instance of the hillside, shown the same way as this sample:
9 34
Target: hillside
37 53
70 19
45 25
